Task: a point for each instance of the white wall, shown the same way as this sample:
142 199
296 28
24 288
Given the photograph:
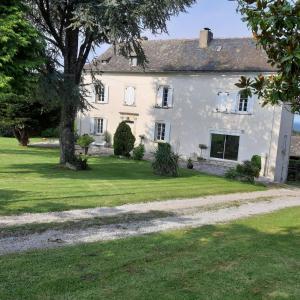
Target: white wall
193 117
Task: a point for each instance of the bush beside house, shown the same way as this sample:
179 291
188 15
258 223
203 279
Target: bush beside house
123 140
247 171
165 161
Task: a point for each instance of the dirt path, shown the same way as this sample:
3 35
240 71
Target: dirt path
166 206
58 238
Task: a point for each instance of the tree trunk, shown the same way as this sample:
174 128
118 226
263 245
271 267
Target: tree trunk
70 98
22 136
67 138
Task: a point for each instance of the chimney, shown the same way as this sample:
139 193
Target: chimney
206 37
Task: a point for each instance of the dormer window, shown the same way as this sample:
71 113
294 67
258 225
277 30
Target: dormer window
133 61
105 61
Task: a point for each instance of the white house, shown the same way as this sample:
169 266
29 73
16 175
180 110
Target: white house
187 96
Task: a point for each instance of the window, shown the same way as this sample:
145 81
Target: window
224 146
100 93
164 97
129 96
99 126
160 131
133 61
243 102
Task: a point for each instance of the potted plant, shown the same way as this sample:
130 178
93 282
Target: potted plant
202 147
84 142
190 164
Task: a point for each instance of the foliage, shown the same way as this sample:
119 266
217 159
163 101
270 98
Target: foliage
190 164
107 138
256 161
6 131
21 56
84 142
275 26
246 171
123 140
50 133
81 163
138 152
74 28
165 161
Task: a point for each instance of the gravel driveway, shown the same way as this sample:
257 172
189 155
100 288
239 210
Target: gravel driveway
59 238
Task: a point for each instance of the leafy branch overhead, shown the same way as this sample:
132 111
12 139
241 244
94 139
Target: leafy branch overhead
73 28
276 27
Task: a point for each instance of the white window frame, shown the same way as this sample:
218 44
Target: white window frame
243 103
160 131
230 133
99 93
98 126
164 97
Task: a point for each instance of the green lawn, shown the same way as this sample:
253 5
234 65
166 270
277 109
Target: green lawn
30 181
256 258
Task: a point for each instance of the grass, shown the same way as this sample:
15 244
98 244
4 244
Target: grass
255 258
31 181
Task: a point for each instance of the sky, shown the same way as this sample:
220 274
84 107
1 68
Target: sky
218 15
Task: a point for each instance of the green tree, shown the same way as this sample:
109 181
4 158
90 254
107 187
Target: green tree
73 28
21 49
276 27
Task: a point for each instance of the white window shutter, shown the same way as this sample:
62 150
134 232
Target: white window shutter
92 126
106 93
129 95
231 103
159 97
167 132
251 105
170 97
104 125
152 132
93 94
222 101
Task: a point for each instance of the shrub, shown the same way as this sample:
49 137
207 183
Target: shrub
246 171
50 133
165 161
6 131
231 173
107 138
138 152
256 161
81 162
123 140
189 164
84 142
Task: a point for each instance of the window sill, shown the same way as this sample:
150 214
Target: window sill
128 105
101 103
234 112
163 107
224 160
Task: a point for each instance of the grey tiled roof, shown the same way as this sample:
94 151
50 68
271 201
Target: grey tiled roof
236 54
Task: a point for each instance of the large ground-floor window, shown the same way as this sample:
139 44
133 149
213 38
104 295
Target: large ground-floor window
224 146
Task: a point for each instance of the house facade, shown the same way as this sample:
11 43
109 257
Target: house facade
186 95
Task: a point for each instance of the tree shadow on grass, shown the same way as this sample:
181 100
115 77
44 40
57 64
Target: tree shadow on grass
101 171
233 261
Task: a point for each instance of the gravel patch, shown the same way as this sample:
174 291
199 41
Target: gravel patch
167 206
56 238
